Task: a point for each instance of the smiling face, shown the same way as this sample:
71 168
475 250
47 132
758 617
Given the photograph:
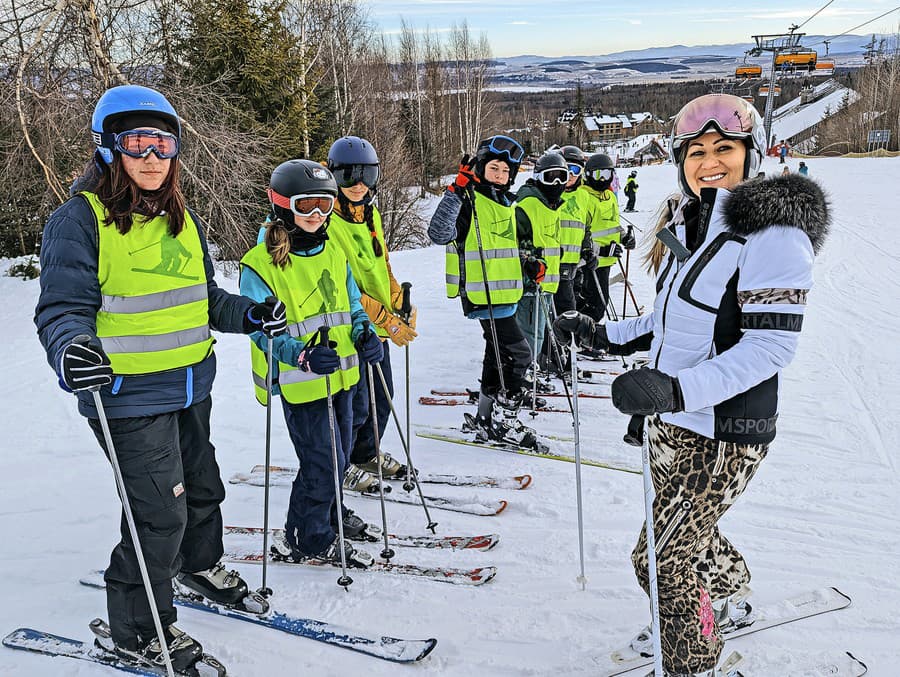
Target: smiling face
714 161
356 192
309 224
148 173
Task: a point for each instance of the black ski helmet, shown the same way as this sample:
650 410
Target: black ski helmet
351 150
595 162
499 147
298 177
550 160
573 154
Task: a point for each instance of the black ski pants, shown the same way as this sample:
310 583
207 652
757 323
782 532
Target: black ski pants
173 485
363 447
632 198
515 355
311 523
595 296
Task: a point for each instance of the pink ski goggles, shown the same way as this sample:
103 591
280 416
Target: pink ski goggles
730 115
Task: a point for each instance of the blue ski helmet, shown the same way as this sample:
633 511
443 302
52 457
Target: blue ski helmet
126 101
351 150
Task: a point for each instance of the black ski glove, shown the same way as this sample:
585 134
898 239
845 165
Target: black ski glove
83 365
628 239
646 391
587 333
269 317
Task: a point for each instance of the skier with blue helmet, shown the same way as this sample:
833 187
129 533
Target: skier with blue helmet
127 305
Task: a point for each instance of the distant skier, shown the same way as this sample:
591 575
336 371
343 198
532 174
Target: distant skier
631 187
726 320
803 169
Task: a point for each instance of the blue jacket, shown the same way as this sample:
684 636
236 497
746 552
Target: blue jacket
69 301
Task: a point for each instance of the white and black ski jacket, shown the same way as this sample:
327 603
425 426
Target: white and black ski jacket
729 309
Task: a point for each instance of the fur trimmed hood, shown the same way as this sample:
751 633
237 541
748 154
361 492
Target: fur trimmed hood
788 200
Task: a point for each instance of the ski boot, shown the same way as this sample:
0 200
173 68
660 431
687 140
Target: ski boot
221 586
543 382
185 652
526 400
356 529
357 479
390 468
727 669
502 430
283 550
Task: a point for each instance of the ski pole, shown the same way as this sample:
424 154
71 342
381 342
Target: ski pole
409 464
554 346
84 339
405 311
534 359
487 293
651 552
607 302
387 553
264 590
581 577
344 581
625 273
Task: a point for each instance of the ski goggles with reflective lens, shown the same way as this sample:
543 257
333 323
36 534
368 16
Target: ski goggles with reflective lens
601 174
504 145
552 176
348 176
139 143
575 170
304 205
730 115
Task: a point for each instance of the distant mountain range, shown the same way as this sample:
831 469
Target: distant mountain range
846 44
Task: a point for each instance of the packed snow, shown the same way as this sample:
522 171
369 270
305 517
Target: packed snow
822 511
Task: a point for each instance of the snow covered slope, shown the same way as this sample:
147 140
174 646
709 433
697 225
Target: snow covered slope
822 510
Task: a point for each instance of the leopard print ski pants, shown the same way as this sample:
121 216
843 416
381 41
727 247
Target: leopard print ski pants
696 480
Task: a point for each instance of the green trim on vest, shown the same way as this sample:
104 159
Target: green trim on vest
369 271
313 295
154 312
497 225
545 234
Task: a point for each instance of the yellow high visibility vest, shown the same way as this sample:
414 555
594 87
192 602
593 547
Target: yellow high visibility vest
314 292
369 271
545 232
497 226
154 312
572 216
603 222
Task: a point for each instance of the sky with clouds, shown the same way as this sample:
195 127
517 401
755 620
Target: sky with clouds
576 27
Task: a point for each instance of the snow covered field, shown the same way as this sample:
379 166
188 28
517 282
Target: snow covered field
822 510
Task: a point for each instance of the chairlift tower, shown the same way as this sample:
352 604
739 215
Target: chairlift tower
776 44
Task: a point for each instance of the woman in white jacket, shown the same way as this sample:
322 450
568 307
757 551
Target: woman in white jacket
733 262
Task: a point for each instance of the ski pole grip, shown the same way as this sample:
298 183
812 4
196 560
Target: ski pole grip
635 434
405 307
84 340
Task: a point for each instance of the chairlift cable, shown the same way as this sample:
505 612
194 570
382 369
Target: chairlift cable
816 14
880 16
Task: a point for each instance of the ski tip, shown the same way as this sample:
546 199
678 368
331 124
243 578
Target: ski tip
502 507
427 649
523 480
483 575
863 666
488 542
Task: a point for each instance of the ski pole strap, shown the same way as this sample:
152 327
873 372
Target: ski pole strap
635 434
667 237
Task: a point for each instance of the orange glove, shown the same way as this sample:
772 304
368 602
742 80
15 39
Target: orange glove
398 331
464 177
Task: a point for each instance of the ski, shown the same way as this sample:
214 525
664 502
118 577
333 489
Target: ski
378 646
474 394
839 665
455 402
48 644
813 603
485 542
515 482
475 576
456 436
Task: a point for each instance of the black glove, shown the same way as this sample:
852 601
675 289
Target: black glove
369 347
588 256
587 333
269 317
612 249
628 239
320 359
84 365
646 391
534 269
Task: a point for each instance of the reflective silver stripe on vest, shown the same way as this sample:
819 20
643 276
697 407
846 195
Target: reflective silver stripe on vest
312 324
496 285
155 342
550 279
608 231
493 254
571 248
552 251
160 300
451 279
297 376
569 223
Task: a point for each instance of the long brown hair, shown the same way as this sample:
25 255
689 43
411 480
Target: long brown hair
278 242
656 250
122 197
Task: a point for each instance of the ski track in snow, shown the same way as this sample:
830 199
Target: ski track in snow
821 511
